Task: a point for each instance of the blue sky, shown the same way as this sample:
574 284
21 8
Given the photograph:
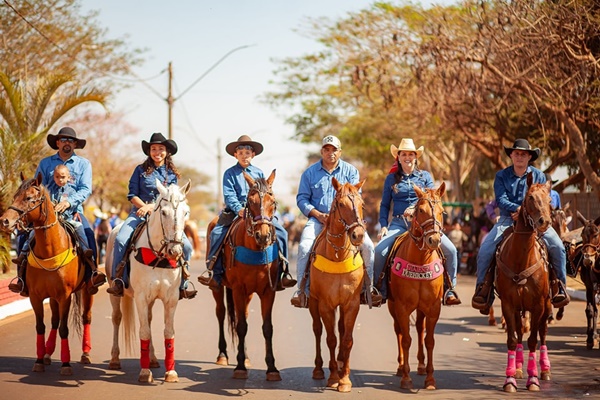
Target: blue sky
194 35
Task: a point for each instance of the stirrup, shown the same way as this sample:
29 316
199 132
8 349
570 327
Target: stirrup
113 287
184 293
447 300
13 287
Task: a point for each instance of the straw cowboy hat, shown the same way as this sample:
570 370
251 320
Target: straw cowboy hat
406 145
244 140
68 133
522 144
158 138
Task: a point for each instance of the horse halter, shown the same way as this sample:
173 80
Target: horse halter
252 221
165 242
34 203
429 227
358 222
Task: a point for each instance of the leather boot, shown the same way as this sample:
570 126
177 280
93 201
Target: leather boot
481 297
117 288
207 280
300 300
560 297
185 274
451 298
98 278
376 298
286 281
19 285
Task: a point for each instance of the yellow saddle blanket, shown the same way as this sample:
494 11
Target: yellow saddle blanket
338 267
53 262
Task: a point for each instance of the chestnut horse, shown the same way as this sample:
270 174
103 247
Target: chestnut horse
417 283
161 240
522 283
336 276
251 261
191 231
54 271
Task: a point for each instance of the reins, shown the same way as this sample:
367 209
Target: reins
252 221
23 213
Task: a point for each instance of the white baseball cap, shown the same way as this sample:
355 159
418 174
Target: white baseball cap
333 141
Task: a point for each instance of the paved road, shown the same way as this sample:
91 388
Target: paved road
469 357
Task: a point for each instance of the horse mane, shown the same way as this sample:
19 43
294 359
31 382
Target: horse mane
28 183
261 185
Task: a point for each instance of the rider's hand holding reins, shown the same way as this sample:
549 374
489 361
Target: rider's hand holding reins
515 215
62 206
321 217
382 233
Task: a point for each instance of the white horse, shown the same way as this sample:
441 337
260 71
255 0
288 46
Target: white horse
162 237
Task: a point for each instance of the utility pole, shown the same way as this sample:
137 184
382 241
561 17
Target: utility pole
219 174
170 100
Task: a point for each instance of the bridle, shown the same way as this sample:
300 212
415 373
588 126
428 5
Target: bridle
358 221
165 242
252 221
429 227
34 203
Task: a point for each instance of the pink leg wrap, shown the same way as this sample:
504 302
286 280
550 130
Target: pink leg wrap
40 347
532 364
169 354
51 342
544 360
519 356
86 340
511 363
65 353
145 353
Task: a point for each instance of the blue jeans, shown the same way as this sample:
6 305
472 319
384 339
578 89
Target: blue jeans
309 234
557 255
398 227
123 238
217 235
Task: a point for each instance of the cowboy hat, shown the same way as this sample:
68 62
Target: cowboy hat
158 138
68 133
406 145
244 140
549 179
523 144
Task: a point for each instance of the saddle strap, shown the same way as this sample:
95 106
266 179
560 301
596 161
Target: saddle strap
521 278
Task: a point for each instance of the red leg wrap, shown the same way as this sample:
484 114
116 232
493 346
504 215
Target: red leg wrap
65 353
86 342
51 342
170 354
40 347
145 353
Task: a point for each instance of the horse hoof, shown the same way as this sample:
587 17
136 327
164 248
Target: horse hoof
66 371
85 359
546 375
510 385
171 376
318 374
145 376
533 385
114 365
589 346
222 360
344 388
406 384
47 359
518 374
240 374
38 367
154 364
273 376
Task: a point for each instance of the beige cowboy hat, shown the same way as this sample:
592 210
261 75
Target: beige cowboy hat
244 140
406 145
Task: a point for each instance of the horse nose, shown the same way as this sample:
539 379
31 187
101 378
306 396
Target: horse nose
357 235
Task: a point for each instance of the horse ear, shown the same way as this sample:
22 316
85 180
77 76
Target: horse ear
22 176
186 188
335 183
566 207
581 218
418 191
442 189
271 178
248 179
529 179
38 179
360 184
161 188
597 221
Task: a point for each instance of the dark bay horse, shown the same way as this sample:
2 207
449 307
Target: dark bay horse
251 260
586 261
336 274
54 271
522 282
417 283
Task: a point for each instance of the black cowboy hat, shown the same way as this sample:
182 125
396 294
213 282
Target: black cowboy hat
244 140
523 144
158 138
65 132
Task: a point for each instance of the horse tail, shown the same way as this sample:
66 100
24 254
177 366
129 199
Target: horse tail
75 314
231 315
128 333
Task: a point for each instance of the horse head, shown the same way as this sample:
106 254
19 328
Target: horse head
31 204
260 210
590 236
428 218
535 209
167 222
347 211
559 220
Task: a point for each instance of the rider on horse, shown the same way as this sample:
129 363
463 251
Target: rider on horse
314 198
399 189
142 195
78 189
510 187
235 192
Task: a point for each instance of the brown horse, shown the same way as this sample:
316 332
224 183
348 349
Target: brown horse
336 273
251 259
53 271
191 231
522 283
417 283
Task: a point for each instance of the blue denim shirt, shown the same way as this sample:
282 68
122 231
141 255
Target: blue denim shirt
315 189
402 193
57 194
144 186
510 189
235 187
80 184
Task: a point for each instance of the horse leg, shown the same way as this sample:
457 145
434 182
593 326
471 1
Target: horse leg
519 349
348 315
510 318
329 322
317 327
145 338
544 360
117 315
491 317
63 331
86 319
398 340
404 317
589 313
40 329
594 320
431 322
220 311
241 302
420 325
266 301
153 360
51 341
170 306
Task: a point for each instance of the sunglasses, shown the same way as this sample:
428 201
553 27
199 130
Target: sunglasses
245 147
65 140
